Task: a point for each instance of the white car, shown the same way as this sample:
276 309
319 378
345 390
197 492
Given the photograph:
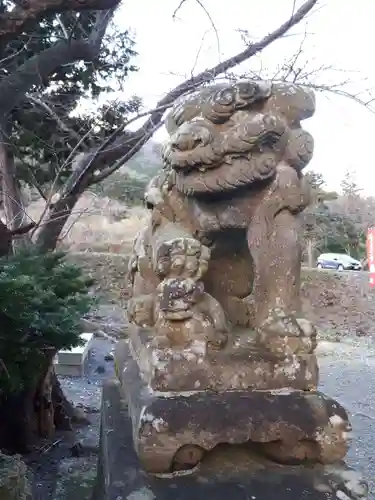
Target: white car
338 261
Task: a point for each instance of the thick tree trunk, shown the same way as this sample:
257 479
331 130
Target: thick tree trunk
15 427
5 240
13 202
34 413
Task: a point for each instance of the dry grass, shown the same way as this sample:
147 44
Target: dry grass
98 225
109 271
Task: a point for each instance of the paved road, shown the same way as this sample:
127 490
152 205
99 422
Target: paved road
348 374
319 270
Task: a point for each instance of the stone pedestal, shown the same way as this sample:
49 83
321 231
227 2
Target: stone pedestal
185 403
228 472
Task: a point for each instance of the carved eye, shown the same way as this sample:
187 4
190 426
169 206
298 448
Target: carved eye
225 97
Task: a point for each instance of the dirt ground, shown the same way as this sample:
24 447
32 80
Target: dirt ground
340 304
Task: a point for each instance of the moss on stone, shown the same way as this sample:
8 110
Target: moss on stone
14 478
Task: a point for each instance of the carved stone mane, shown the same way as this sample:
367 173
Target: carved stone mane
233 135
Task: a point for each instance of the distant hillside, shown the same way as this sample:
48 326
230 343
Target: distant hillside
146 162
127 185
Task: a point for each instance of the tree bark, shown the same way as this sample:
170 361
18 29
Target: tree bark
11 190
5 240
38 68
36 411
15 422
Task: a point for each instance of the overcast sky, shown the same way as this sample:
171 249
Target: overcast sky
340 34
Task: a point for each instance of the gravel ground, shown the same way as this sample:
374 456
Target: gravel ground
347 371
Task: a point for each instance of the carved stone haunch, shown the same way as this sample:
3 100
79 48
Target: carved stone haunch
218 350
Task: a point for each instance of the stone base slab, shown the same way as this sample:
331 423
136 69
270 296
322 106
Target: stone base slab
176 429
241 365
71 363
69 370
233 472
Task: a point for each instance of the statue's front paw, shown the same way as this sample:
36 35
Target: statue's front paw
182 257
282 333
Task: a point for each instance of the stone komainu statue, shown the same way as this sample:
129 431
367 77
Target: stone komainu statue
222 246
217 351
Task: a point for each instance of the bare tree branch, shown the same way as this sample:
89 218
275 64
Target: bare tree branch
62 26
41 103
212 73
103 174
14 87
30 11
12 196
201 5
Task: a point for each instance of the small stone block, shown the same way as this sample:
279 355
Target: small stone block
69 370
72 363
77 355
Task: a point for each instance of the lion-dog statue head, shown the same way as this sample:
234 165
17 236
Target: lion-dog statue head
230 136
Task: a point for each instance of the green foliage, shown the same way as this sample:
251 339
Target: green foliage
42 299
317 183
126 188
128 184
44 129
349 185
331 230
42 148
337 223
